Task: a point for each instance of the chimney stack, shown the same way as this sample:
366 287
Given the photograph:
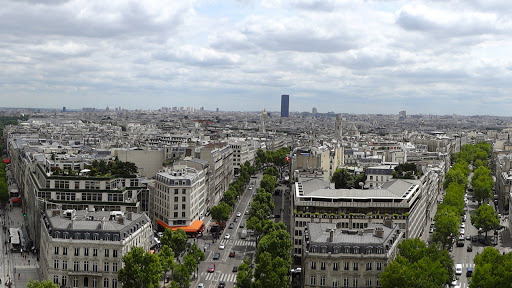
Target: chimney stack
331 235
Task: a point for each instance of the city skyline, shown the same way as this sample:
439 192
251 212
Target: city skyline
364 57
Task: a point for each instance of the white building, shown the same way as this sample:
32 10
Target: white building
179 196
85 249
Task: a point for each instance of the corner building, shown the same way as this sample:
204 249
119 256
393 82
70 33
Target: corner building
85 249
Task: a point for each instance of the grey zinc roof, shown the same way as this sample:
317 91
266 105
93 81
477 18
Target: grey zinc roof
318 234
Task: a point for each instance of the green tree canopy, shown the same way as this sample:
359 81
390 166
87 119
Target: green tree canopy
245 274
492 269
42 284
175 239
221 212
486 218
141 269
268 183
447 224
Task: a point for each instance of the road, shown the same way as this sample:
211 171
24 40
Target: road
242 247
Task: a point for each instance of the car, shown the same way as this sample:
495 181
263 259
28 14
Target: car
470 248
431 230
468 237
232 254
450 248
221 246
235 269
222 284
216 256
474 238
250 187
242 225
462 225
227 236
462 231
236 219
454 282
460 243
231 225
238 214
469 272
211 268
458 269
246 212
200 285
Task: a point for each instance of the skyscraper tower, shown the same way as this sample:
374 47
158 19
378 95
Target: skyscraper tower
264 119
339 128
285 105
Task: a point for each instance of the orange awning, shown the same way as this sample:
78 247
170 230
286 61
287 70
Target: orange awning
194 227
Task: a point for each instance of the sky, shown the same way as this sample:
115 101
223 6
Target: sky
347 56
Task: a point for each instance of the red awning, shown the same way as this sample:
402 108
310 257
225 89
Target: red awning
7 161
194 227
16 200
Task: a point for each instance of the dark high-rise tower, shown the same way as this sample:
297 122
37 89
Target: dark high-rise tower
285 105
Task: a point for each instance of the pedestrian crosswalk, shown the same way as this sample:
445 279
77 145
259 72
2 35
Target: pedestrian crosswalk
231 277
466 265
238 242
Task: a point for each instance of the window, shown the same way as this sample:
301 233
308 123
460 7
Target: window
175 214
56 279
94 252
75 282
379 266
64 264
184 199
183 191
56 250
86 251
322 281
345 282
312 280
368 282
105 282
95 236
105 266
77 251
322 265
182 214
64 281
356 266
176 199
368 266
114 267
94 266
176 191
64 251
86 265
335 266
114 253
313 265
335 283
114 283
183 206
76 266
354 282
94 282
378 282
107 252
347 266
55 264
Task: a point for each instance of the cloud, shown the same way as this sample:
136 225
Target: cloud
198 56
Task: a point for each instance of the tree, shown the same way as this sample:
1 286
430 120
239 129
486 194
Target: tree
193 257
447 225
42 284
221 212
456 176
418 266
258 226
245 274
482 183
181 276
166 257
271 272
271 171
268 183
277 243
492 269
342 179
175 239
406 171
141 269
485 218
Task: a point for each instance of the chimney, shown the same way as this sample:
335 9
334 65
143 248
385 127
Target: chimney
129 216
120 220
379 232
331 235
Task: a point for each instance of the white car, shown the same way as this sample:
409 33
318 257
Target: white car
238 214
458 269
201 285
221 246
227 236
462 231
462 225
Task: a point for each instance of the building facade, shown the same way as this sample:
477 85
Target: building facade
85 248
285 105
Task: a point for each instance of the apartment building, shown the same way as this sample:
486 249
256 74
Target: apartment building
85 248
178 198
378 175
220 159
242 152
335 257
403 201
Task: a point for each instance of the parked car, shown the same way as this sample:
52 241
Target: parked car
458 269
232 254
242 225
469 273
235 269
211 268
231 226
468 237
236 220
216 256
227 236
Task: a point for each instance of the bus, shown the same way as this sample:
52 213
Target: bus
14 239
